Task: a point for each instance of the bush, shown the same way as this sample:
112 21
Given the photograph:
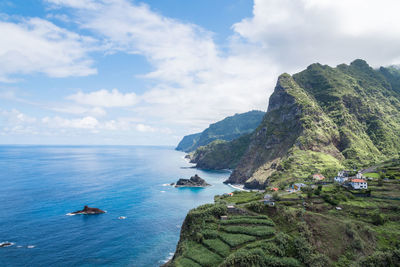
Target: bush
276 196
378 218
382 259
256 206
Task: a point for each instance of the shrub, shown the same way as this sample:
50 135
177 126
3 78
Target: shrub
276 196
378 218
382 259
256 206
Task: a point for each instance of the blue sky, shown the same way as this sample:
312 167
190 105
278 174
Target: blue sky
149 72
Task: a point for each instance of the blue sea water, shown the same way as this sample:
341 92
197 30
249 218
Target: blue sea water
39 185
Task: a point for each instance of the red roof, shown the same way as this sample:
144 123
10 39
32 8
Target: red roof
274 189
358 181
318 176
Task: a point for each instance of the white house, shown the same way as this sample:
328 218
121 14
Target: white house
340 179
298 186
359 184
359 175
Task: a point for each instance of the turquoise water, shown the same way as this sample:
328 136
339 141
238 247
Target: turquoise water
39 185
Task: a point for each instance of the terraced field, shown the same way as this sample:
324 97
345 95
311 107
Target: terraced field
223 238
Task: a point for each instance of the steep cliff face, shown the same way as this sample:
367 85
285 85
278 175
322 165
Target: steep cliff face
227 129
221 154
324 118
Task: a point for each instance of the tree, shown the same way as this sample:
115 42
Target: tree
276 196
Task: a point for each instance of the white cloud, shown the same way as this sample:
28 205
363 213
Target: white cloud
105 98
86 4
78 110
195 81
38 46
81 123
144 128
295 34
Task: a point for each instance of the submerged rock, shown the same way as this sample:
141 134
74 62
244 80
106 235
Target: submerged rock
87 210
194 181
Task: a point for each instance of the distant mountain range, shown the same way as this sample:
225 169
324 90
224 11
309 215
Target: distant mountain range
228 129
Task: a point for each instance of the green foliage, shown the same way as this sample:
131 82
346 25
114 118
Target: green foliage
248 220
201 254
256 206
218 246
228 129
258 231
257 257
389 258
276 196
234 240
378 218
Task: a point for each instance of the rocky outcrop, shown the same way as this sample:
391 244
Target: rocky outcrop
194 181
6 244
88 211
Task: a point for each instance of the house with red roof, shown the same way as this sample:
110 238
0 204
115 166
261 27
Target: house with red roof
358 184
318 177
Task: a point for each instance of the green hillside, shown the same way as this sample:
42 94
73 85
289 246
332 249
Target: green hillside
228 129
299 230
323 119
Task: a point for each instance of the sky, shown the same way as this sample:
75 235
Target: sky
130 72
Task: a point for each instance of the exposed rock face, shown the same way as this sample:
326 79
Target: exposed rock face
194 181
321 119
89 211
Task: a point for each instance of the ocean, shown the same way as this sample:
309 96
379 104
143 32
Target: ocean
39 185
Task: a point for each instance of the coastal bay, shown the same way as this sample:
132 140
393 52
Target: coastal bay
39 185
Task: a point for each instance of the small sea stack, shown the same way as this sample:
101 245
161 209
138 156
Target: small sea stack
88 211
194 181
6 244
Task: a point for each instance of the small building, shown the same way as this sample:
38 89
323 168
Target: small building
359 175
228 194
358 184
318 177
224 217
267 197
340 179
298 186
230 207
274 189
269 202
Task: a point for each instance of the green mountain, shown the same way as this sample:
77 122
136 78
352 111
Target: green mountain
220 154
320 120
228 129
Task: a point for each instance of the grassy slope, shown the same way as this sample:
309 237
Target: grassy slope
295 234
